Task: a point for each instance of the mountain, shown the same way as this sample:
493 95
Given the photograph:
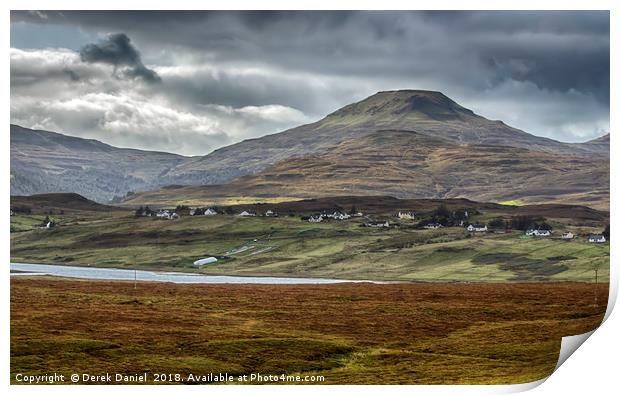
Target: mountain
407 143
426 112
598 145
43 162
407 164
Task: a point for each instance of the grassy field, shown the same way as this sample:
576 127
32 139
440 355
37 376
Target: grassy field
348 333
287 246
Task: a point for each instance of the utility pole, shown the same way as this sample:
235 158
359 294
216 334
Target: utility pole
596 286
135 273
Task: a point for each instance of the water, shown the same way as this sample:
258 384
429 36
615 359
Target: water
98 273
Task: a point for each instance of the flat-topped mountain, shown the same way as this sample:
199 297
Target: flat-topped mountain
407 164
426 112
407 143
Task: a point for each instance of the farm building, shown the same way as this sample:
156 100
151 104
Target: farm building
597 239
406 215
247 214
538 232
568 236
205 261
167 214
477 228
378 224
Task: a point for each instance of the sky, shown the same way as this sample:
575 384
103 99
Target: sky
191 82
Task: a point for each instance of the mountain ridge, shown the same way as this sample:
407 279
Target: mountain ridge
428 112
409 164
44 161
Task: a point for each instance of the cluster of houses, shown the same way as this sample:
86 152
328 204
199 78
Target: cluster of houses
378 224
340 216
477 228
336 215
167 214
406 215
202 211
538 232
268 213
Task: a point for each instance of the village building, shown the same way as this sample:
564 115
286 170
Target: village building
378 224
247 214
406 215
270 213
477 228
205 261
568 236
597 239
167 214
433 225
538 232
192 212
210 211
317 218
341 216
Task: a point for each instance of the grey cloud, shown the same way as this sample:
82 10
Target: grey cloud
118 51
506 64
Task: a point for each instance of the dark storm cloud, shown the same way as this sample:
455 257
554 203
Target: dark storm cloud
555 50
118 51
546 72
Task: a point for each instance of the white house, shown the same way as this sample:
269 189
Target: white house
378 224
477 228
538 232
358 214
205 261
192 212
247 214
406 215
433 225
568 236
597 239
210 211
270 213
317 218
167 214
340 216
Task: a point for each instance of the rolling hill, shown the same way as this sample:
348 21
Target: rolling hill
407 164
58 202
426 112
408 144
47 162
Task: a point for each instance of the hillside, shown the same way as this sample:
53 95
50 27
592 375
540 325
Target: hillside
407 164
409 143
427 112
56 202
44 162
598 145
